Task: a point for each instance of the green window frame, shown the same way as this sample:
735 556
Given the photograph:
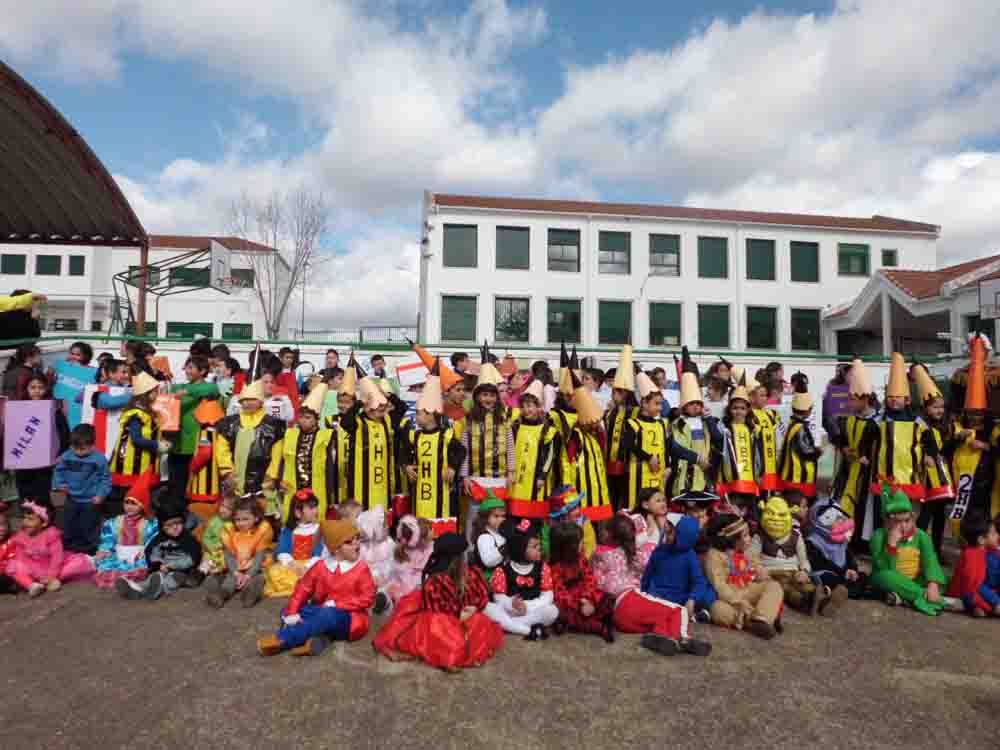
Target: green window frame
713 326
614 321
713 258
890 257
805 325
196 277
762 327
512 319
760 260
13 264
244 278
514 248
664 255
77 265
564 320
185 330
48 265
458 318
614 253
134 272
461 246
97 326
150 329
64 324
664 324
804 258
564 250
853 260
237 331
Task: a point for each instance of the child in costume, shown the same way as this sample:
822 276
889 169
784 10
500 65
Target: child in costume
583 607
246 545
769 427
855 439
782 552
37 482
618 567
904 565
246 443
585 452
431 456
490 542
699 506
799 452
976 581
82 473
536 448
192 393
376 551
122 551
523 601
7 584
346 400
674 571
300 545
213 556
651 504
971 451
562 416
740 455
623 407
830 556
566 504
139 445
204 486
414 544
172 558
938 489
39 563
748 598
443 623
330 602
696 439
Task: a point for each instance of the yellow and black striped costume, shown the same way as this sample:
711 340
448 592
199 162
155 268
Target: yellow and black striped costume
768 421
856 438
563 420
799 456
687 445
129 461
591 474
646 438
740 458
204 485
432 453
900 456
343 453
487 445
535 449
306 461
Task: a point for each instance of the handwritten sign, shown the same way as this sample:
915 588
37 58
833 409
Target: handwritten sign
30 439
71 379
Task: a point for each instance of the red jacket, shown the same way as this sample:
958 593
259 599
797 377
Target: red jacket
353 591
573 582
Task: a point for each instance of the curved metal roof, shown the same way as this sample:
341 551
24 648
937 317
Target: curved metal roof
53 189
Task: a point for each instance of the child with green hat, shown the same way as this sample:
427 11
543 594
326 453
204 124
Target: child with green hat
490 543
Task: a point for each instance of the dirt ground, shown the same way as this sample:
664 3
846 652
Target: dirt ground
84 669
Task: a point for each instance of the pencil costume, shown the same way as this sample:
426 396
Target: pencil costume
696 437
972 459
346 399
138 448
622 408
646 442
799 453
938 487
740 456
585 451
536 448
563 415
204 488
856 440
900 451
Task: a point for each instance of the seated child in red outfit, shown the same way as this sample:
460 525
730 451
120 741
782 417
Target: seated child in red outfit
583 608
443 623
976 580
330 602
7 584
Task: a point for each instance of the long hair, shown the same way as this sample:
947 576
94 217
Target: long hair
480 522
478 414
565 541
622 534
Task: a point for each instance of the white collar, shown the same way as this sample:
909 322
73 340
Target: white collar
522 568
333 565
306 529
495 534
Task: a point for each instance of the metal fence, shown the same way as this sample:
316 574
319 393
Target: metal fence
360 335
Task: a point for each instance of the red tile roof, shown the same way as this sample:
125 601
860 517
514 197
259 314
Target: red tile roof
927 284
196 242
874 224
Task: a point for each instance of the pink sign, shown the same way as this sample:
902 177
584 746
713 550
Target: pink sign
29 435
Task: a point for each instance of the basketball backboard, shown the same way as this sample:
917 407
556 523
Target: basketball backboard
220 268
989 299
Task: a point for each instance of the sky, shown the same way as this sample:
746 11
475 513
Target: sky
851 107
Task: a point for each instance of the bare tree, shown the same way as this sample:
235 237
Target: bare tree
293 223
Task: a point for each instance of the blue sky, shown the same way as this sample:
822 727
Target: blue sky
841 106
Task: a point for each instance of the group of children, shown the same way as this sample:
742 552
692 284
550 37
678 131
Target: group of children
529 510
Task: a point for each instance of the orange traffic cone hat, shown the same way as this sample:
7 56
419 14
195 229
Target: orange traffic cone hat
975 387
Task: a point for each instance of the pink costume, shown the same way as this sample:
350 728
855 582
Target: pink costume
41 556
407 576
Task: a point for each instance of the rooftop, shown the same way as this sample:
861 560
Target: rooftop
927 284
874 224
199 242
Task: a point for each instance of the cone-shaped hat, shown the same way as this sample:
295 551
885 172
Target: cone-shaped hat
144 383
430 398
317 396
858 379
253 391
349 385
898 386
975 387
587 410
741 390
926 387
371 395
537 390
625 375
645 385
488 373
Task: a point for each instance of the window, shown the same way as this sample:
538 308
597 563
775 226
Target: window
48 265
241 331
149 330
77 265
805 330
244 278
615 252
565 320
973 323
614 322
64 324
512 319
713 326
762 328
564 250
852 260
15 265
665 255
805 261
664 324
458 318
97 325
890 258
713 257
460 245
514 248
760 260
189 277
188 330
135 272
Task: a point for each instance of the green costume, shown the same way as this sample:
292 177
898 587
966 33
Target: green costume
907 568
194 394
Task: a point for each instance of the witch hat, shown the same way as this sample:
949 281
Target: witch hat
488 373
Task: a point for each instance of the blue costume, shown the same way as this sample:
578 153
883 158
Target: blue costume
674 571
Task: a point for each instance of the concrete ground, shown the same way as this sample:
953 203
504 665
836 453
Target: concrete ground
84 669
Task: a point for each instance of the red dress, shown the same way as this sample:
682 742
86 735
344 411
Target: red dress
572 583
426 624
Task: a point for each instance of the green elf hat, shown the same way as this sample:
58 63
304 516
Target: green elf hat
492 502
894 500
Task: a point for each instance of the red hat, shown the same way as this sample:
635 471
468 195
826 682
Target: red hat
141 491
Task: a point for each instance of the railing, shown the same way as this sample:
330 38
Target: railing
360 335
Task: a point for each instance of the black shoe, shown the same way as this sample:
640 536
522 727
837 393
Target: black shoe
153 587
761 629
558 627
535 634
659 643
381 603
318 644
190 580
609 628
703 616
779 626
128 590
543 632
695 647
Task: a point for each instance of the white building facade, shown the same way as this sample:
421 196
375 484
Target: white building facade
535 272
78 283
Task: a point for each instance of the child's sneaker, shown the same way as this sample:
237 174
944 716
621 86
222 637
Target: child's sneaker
695 647
154 585
703 616
252 592
36 589
893 599
128 589
382 603
54 585
659 644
